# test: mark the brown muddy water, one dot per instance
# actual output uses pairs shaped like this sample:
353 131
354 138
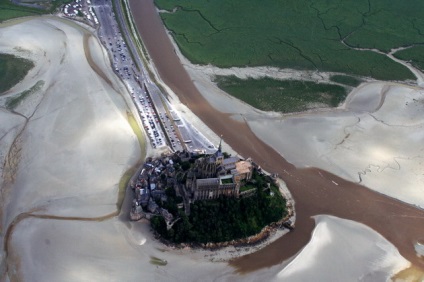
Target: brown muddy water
312 189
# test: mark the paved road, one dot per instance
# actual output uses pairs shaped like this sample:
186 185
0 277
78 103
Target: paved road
161 122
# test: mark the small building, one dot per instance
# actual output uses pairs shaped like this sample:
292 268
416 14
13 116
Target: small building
152 186
152 206
243 171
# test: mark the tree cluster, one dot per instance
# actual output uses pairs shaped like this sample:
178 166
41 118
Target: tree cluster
225 218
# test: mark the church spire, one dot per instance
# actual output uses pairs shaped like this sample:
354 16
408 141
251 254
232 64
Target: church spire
219 157
219 146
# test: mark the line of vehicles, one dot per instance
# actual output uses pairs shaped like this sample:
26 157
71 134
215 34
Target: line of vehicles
124 67
162 124
150 121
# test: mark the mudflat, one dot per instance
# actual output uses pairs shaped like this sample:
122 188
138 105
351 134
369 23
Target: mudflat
315 191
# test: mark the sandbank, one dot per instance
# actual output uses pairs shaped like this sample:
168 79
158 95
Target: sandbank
76 135
325 257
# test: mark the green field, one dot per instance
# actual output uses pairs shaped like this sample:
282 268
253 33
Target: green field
12 70
414 54
282 95
297 34
13 102
346 80
8 10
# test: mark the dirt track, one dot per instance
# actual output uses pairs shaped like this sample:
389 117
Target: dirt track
313 190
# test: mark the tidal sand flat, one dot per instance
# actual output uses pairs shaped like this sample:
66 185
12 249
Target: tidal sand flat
76 142
103 251
380 147
68 143
324 257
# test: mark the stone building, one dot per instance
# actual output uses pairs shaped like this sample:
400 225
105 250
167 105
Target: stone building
215 175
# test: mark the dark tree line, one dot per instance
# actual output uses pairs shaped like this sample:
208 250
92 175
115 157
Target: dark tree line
226 218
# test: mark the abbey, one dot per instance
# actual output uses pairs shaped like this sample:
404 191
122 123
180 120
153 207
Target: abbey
214 175
191 177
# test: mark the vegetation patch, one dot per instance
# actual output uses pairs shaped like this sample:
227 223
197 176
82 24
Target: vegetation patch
158 261
137 131
9 10
227 180
346 80
126 177
301 34
226 218
282 95
13 102
414 55
247 187
12 70
123 183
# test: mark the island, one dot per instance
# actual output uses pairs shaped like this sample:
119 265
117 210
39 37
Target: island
191 197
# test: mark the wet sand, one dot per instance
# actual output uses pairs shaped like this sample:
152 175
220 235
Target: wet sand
313 189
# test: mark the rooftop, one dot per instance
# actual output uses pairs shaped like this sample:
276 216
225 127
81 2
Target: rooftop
243 167
207 181
230 160
226 179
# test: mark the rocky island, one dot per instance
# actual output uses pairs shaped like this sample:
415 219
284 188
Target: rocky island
195 198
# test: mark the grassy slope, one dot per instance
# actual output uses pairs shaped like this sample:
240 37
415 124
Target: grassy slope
296 34
283 96
13 102
414 54
8 10
346 80
12 70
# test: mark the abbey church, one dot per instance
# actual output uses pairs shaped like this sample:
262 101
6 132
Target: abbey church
215 175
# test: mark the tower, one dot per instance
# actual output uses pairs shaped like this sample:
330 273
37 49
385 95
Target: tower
219 157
